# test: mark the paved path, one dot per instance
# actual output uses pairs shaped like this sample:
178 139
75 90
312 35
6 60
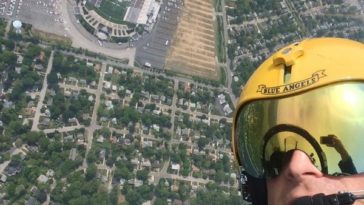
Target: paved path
42 94
63 129
160 175
93 125
3 166
227 67
174 102
7 28
163 172
182 79
78 88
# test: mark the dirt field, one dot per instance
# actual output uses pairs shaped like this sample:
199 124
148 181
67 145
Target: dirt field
50 37
192 51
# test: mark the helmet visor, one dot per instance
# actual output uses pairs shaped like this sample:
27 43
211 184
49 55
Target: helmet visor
326 123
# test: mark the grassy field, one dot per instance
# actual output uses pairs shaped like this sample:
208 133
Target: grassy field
222 76
113 10
218 6
51 38
220 40
2 26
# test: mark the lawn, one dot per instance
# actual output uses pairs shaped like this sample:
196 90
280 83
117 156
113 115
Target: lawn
113 10
220 39
218 6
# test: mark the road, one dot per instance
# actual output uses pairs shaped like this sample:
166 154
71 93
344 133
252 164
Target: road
301 26
75 87
159 175
163 172
80 41
227 67
178 78
174 101
63 129
42 94
93 125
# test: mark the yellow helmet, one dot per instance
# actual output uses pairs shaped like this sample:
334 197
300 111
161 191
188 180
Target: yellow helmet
304 94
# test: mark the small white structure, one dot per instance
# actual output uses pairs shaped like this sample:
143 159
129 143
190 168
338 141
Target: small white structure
3 178
90 64
175 166
156 127
17 26
50 172
43 179
107 84
221 98
102 36
227 110
110 70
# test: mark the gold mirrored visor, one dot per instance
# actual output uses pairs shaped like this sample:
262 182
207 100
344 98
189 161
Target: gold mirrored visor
326 123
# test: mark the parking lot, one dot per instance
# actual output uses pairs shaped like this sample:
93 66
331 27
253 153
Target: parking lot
10 7
42 14
152 49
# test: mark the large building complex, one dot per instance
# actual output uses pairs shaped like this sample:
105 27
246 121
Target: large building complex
142 12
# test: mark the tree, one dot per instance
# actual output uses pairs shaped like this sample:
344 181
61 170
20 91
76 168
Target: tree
17 91
68 166
91 172
99 198
41 196
19 190
175 158
91 156
133 197
126 115
160 201
226 163
9 58
184 191
18 143
33 137
55 146
185 171
142 174
219 177
82 200
202 142
162 191
114 194
122 172
43 143
145 191
15 160
90 187
52 80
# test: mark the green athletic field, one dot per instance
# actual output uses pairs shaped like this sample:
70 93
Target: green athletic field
113 10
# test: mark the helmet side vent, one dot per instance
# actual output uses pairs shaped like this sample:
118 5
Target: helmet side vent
287 73
288 57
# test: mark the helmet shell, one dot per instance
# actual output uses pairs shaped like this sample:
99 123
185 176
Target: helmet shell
302 66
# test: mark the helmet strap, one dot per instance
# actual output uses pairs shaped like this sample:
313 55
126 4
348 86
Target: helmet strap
253 189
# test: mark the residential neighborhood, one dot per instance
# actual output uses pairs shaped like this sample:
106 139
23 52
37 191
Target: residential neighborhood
256 31
129 131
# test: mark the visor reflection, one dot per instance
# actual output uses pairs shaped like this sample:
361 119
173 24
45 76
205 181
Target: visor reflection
335 110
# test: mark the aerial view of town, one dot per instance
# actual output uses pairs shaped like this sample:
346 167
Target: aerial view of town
131 101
